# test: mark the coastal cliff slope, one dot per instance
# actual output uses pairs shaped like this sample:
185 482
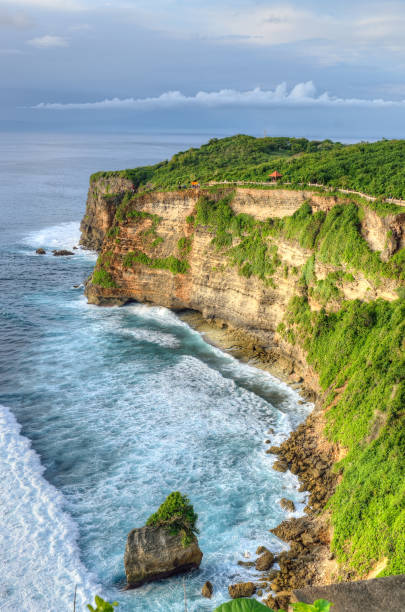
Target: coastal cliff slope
309 281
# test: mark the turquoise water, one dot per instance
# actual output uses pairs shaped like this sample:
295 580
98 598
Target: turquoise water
105 411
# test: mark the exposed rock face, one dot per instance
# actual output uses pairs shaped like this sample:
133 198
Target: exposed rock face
40 252
212 286
102 201
152 553
241 589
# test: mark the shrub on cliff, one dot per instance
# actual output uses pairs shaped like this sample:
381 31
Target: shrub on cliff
178 516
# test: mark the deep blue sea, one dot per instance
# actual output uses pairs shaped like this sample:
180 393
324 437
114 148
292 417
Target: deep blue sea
106 411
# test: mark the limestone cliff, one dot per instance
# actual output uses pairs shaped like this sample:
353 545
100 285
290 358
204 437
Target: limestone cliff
154 223
309 282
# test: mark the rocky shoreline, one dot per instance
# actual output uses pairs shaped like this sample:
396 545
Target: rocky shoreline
307 454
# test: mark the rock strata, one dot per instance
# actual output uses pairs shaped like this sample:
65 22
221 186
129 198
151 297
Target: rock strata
153 552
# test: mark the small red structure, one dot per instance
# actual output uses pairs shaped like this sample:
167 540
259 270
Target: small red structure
274 176
195 184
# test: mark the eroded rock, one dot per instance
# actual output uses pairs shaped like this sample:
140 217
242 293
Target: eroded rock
241 589
265 561
153 552
207 590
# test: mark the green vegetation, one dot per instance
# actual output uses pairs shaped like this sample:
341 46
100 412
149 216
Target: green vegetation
102 606
252 605
176 266
359 355
335 237
372 168
102 278
184 245
178 516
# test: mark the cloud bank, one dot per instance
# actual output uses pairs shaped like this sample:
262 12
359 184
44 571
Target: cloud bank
302 94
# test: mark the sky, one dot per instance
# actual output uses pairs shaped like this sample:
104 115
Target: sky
305 67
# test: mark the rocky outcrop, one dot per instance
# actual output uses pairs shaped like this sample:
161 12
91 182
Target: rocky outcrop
153 552
102 201
241 589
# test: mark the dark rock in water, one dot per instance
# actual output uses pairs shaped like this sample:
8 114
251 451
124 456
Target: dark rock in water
261 549
265 561
40 252
62 253
153 552
207 590
280 466
246 563
75 248
287 504
241 589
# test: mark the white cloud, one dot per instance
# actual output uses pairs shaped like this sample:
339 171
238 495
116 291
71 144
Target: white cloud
303 94
47 41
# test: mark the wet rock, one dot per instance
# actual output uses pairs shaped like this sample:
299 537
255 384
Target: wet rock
153 552
265 561
274 450
207 590
246 563
261 549
40 252
241 589
280 466
287 504
62 253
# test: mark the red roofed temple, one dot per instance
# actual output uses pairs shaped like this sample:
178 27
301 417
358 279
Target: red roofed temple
275 176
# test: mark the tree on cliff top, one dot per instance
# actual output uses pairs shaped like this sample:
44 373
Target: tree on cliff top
178 516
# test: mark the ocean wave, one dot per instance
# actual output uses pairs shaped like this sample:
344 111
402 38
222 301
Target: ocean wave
39 539
62 236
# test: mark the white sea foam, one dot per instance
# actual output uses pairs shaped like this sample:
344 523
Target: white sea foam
62 236
38 552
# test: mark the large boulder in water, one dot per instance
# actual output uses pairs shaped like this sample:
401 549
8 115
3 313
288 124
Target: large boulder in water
167 544
153 552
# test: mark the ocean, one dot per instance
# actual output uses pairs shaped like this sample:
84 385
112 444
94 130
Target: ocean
104 411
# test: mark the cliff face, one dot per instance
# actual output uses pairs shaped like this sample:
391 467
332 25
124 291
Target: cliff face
156 223
102 202
304 280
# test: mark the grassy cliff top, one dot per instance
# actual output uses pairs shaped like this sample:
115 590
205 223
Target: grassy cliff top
373 168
